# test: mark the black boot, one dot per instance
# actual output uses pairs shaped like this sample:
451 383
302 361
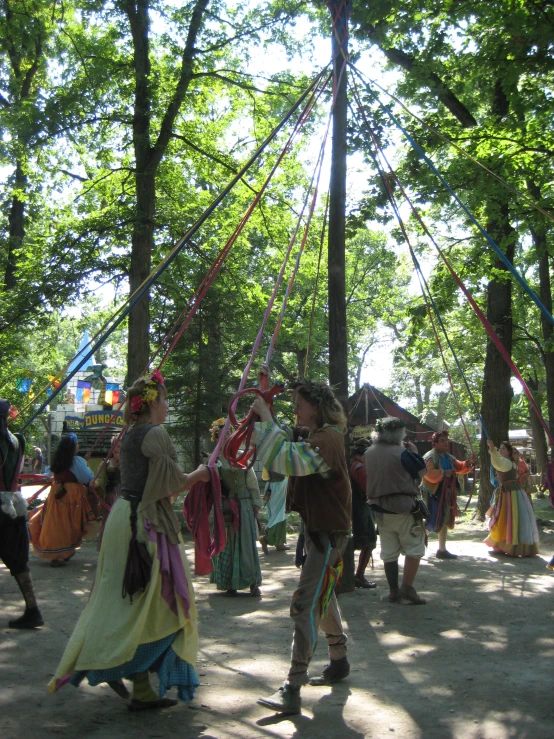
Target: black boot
335 671
30 619
391 572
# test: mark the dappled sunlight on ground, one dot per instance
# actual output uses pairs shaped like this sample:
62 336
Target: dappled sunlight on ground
475 663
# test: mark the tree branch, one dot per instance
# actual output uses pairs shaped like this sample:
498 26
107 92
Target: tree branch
73 175
408 62
166 129
242 85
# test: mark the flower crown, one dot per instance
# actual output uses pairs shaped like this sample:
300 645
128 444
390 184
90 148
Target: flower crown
389 424
215 427
318 392
149 393
436 436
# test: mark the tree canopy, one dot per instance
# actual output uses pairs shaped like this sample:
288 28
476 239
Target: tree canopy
122 121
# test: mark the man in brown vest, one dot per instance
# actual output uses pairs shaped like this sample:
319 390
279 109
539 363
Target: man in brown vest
392 467
319 489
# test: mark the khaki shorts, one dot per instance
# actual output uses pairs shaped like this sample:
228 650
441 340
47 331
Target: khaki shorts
396 539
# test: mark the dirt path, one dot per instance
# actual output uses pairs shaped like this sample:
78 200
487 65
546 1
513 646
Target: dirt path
476 662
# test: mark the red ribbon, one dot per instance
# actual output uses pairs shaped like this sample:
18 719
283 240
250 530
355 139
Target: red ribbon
242 437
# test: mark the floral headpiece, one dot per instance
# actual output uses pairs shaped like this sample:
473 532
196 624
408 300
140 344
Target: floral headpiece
150 392
390 423
318 392
215 428
360 445
436 436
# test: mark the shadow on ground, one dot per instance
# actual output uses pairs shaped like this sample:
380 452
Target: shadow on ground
475 662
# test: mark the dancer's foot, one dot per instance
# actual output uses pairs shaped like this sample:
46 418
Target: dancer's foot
30 620
282 548
135 705
407 592
445 554
263 542
361 582
286 700
255 591
230 593
57 563
119 687
336 670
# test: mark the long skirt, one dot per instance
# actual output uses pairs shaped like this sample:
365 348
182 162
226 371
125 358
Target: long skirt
238 566
110 499
115 638
443 506
277 535
276 531
57 527
513 527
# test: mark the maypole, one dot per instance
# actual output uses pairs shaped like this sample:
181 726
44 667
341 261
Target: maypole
336 247
338 347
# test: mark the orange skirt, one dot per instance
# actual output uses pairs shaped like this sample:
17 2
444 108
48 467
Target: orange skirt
57 527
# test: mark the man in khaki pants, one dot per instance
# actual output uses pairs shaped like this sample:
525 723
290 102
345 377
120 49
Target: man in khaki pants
392 467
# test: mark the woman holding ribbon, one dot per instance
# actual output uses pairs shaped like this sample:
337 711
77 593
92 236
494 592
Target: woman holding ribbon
141 615
57 528
440 484
237 567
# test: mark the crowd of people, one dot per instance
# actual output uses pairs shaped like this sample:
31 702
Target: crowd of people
141 616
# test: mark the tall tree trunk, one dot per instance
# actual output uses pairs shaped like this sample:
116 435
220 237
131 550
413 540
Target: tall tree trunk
338 341
441 410
338 344
148 155
16 226
539 437
419 396
301 360
141 265
497 390
539 235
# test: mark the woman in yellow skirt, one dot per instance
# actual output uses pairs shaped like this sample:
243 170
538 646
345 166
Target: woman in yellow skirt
513 527
141 615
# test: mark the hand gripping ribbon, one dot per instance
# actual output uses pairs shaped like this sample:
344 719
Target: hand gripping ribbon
245 458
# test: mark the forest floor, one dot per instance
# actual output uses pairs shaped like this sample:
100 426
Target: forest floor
476 662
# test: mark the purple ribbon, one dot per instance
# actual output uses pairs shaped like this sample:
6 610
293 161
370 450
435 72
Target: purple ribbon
174 579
